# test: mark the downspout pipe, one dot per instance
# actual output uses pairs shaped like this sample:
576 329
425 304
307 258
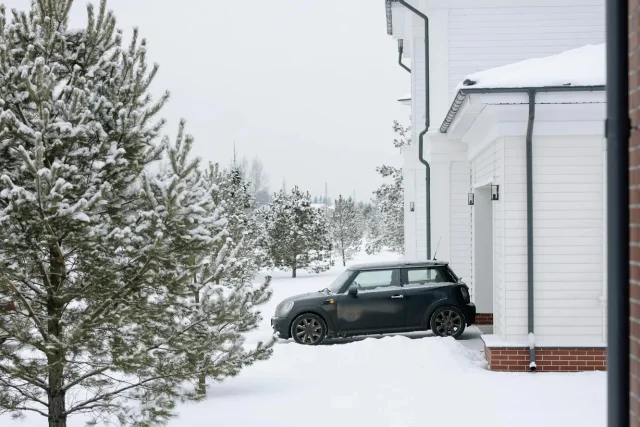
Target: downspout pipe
400 52
531 93
617 133
529 161
426 123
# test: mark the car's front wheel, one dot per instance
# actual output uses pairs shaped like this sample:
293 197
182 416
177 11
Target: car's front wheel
309 329
448 322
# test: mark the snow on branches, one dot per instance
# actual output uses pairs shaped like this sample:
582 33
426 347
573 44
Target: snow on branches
102 257
296 233
346 228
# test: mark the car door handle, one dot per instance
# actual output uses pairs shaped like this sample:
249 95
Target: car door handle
397 296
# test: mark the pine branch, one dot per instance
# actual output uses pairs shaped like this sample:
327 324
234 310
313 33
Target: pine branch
32 313
84 377
33 381
21 390
116 392
29 409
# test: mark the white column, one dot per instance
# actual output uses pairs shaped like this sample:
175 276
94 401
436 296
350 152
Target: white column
440 155
441 209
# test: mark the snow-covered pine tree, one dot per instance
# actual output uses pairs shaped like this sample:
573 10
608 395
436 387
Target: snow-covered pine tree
221 302
297 233
372 218
389 202
235 193
92 254
385 220
346 228
404 134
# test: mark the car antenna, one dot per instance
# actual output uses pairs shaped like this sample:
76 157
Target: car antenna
436 252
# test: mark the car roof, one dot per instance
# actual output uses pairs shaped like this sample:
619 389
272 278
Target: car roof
397 264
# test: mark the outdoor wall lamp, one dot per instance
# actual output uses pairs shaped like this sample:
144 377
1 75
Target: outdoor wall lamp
412 207
495 192
471 199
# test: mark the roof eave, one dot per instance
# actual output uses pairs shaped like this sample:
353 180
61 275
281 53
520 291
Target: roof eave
389 16
462 94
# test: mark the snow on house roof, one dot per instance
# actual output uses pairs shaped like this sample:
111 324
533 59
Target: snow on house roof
406 97
580 69
585 66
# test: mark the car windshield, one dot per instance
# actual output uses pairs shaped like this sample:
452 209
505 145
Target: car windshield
337 284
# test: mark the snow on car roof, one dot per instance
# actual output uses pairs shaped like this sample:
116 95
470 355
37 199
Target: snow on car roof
585 66
398 264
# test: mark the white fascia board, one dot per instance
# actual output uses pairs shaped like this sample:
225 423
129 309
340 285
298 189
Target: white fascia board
465 4
497 121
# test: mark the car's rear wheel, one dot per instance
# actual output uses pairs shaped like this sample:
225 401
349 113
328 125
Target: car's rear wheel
448 322
308 329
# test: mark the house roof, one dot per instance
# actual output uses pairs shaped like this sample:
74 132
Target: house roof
585 66
577 69
405 97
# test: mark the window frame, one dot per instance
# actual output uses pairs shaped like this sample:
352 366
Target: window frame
398 281
404 274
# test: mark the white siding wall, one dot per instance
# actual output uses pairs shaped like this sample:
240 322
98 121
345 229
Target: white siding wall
420 215
417 87
568 239
486 37
415 230
488 168
409 179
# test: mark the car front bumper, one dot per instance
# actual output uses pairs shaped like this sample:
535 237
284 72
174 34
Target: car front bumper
469 311
281 327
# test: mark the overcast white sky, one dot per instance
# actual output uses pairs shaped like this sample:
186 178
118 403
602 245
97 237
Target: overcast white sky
309 86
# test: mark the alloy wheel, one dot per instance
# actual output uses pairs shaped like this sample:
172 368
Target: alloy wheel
308 330
448 323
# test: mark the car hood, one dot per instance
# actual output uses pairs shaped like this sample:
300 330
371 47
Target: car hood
307 296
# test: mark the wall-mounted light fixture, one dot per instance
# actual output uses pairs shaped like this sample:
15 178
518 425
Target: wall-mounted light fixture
495 192
471 199
412 206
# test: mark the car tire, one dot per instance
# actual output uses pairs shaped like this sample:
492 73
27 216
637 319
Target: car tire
309 329
448 322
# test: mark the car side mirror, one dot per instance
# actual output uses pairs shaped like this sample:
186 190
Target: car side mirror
353 290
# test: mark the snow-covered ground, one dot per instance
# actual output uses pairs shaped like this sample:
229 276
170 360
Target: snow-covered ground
384 382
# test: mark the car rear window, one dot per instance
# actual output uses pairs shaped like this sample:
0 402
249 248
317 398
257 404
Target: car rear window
428 275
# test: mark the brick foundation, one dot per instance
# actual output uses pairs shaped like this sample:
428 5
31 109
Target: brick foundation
484 319
548 359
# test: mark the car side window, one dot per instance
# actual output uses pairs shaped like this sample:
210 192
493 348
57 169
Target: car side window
426 276
375 279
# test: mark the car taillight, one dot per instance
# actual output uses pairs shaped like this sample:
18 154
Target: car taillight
465 294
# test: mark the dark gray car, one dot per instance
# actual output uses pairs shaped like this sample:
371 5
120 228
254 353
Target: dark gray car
379 298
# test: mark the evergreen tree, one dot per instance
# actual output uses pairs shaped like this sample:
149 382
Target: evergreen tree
346 228
385 216
221 302
387 225
404 134
297 233
234 192
96 254
371 218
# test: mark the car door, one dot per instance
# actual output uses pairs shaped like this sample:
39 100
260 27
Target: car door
379 304
423 287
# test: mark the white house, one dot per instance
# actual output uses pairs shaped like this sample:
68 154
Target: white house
516 156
